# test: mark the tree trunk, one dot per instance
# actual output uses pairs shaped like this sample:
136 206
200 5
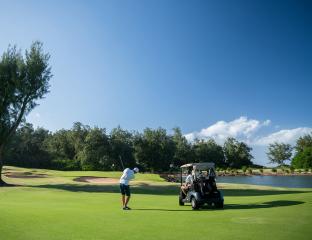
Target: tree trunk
2 183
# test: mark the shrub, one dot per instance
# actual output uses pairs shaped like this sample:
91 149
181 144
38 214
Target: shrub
65 164
261 170
244 169
274 170
299 171
249 170
292 169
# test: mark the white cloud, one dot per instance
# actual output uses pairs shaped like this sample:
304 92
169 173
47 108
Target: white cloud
250 132
285 136
241 128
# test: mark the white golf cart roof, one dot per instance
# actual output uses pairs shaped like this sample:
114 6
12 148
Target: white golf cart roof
199 166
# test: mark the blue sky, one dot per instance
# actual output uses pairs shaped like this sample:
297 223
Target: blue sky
236 68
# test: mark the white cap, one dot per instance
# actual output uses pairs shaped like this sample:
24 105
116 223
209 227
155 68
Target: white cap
136 169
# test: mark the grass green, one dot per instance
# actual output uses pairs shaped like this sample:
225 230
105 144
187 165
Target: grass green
52 206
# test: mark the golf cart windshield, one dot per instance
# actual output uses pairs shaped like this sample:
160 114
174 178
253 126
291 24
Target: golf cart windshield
198 170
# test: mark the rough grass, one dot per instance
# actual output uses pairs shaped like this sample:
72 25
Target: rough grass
50 205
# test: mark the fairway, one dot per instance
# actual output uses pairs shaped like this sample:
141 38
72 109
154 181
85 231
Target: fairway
50 205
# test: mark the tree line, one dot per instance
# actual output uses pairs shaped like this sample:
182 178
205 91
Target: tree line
85 148
300 155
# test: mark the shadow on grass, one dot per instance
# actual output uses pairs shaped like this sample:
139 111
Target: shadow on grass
271 204
159 189
162 209
280 203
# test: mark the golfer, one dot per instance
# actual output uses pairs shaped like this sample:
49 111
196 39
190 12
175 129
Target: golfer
127 175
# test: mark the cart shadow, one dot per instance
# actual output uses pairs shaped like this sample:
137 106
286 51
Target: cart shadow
271 204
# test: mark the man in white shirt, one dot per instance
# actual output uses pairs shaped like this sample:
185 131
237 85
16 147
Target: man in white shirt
126 177
188 182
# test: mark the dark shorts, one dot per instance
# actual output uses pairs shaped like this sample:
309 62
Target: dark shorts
125 189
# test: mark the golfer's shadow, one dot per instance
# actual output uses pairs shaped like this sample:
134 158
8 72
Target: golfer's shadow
160 209
281 203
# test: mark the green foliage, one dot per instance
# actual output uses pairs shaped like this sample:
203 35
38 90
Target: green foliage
23 81
303 156
303 159
86 148
65 164
121 149
244 169
183 149
261 170
279 152
303 142
208 151
154 149
95 152
60 145
27 147
274 170
237 154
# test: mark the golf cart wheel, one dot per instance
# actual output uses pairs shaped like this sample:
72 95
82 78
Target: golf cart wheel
194 204
181 196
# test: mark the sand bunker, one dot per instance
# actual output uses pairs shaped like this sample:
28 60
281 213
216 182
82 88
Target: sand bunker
99 180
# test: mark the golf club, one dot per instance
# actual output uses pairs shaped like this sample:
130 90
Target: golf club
123 167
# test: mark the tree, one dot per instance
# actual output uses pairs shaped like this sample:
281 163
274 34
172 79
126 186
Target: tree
154 149
237 154
78 135
60 145
121 142
26 147
303 142
279 152
95 153
23 81
209 151
303 155
303 159
183 149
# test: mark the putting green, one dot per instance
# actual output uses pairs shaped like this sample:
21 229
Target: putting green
50 205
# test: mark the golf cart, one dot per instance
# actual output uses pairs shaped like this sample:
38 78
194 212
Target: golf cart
203 188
